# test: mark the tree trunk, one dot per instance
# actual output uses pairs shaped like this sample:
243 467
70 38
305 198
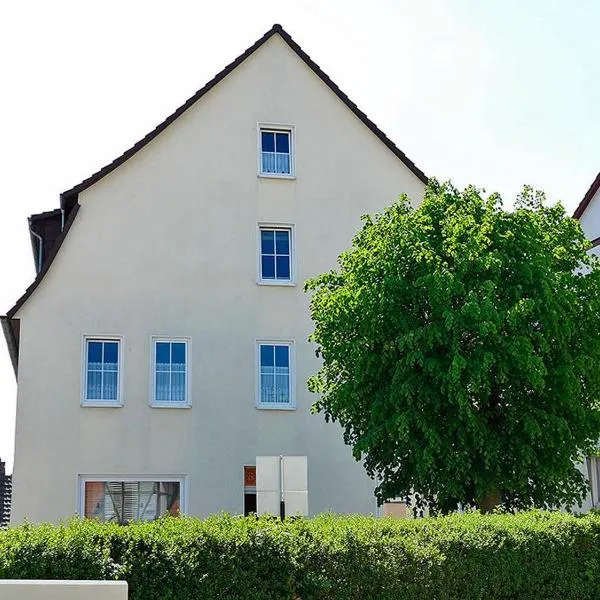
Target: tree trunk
489 501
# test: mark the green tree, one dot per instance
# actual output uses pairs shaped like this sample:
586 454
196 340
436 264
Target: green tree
461 351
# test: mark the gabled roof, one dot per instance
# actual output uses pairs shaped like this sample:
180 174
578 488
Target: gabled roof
587 198
68 199
86 183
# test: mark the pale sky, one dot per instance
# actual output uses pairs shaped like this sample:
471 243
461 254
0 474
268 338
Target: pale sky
498 94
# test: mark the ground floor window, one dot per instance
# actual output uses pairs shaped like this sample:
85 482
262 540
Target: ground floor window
124 501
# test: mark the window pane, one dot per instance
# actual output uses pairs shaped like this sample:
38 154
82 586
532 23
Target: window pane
178 355
94 385
111 354
282 356
94 499
162 386
268 267
267 241
282 242
94 353
178 387
267 388
283 267
266 355
282 142
282 163
268 141
146 504
282 384
168 498
268 162
163 351
110 384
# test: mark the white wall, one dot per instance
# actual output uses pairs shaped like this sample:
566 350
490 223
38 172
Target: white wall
22 589
167 245
590 221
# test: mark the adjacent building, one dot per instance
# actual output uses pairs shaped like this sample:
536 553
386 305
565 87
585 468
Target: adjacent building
5 495
588 213
161 352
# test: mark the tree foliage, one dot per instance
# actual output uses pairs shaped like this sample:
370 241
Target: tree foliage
461 350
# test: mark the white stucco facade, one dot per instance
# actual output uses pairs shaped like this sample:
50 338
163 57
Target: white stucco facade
167 245
590 224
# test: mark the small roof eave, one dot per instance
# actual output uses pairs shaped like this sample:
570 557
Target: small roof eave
589 195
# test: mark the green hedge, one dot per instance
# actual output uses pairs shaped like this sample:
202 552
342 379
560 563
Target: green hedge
464 557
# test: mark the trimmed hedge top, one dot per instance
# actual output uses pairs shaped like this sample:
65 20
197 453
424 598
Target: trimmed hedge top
536 555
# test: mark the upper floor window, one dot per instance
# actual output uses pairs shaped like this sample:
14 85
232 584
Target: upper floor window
275 387
276 156
275 254
102 372
171 373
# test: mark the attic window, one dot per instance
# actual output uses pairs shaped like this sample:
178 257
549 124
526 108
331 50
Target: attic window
276 155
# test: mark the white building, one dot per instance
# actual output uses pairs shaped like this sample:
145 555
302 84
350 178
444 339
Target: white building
161 352
588 214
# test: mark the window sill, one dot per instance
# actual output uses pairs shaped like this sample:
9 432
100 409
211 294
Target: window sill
92 404
167 405
276 176
276 282
286 407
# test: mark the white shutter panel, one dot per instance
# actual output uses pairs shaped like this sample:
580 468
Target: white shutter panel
295 485
267 485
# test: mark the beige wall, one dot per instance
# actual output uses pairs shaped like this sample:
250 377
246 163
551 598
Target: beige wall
167 245
20 589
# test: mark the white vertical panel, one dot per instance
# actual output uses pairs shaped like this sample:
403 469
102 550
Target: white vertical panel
295 485
296 504
267 485
295 473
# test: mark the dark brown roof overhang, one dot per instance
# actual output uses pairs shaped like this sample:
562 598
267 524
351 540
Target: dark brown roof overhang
587 198
11 329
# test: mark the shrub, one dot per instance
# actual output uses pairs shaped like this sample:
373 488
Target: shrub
461 557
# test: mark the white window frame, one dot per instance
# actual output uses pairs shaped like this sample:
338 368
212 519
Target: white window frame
188 371
180 477
291 405
277 128
118 403
281 227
